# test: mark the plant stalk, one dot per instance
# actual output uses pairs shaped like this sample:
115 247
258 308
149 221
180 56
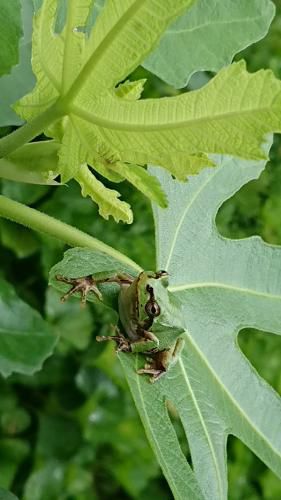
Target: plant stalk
38 221
30 130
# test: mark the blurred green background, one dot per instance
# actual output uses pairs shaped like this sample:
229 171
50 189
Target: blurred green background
71 432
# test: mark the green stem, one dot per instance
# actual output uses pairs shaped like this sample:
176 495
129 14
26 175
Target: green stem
27 132
43 223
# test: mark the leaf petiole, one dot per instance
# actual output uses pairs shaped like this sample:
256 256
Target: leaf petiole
38 221
30 130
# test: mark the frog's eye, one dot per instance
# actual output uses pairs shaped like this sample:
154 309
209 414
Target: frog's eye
152 309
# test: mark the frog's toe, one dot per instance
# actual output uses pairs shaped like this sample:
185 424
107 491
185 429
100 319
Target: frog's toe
147 370
83 285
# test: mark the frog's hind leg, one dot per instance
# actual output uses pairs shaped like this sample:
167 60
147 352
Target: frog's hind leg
160 362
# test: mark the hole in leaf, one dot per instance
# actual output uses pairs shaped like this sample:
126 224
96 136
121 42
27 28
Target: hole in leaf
179 430
256 208
263 350
248 477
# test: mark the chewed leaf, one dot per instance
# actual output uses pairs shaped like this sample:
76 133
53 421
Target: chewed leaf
146 183
106 199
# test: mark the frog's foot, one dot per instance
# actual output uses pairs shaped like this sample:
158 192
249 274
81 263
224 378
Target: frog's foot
160 362
152 368
122 344
82 285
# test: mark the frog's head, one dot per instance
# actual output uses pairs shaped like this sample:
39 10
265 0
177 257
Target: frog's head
157 305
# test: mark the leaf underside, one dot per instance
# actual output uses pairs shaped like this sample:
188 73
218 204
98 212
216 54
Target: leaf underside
109 128
224 286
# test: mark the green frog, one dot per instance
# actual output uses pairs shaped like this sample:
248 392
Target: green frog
149 316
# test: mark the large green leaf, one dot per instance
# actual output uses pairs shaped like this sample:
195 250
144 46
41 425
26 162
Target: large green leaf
107 126
207 37
26 340
224 285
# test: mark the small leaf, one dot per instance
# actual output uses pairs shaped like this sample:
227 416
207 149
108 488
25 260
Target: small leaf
142 180
228 26
107 199
131 90
26 340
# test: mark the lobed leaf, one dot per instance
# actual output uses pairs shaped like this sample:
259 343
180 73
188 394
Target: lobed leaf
231 114
224 285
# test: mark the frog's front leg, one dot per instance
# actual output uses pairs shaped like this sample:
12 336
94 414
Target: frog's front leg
123 344
87 284
161 361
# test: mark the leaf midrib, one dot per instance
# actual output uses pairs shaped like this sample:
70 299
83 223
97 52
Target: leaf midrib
102 47
229 395
147 424
201 419
226 286
212 24
158 127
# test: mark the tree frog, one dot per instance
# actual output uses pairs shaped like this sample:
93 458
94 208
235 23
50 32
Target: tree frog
149 316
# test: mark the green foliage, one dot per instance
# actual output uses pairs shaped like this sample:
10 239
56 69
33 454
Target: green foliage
110 128
10 33
6 495
21 79
71 431
26 339
228 26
